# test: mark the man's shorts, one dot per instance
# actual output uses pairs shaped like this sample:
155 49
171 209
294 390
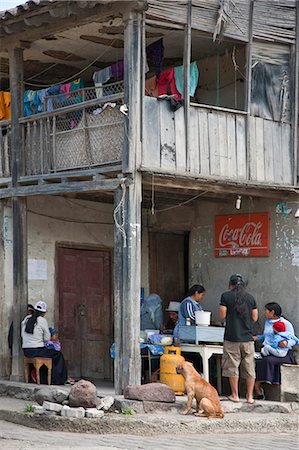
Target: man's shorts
238 355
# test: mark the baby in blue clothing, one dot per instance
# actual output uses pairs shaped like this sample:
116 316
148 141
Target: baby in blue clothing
279 334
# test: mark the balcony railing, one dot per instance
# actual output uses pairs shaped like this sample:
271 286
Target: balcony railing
80 136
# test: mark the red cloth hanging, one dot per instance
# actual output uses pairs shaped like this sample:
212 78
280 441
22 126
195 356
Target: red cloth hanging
167 79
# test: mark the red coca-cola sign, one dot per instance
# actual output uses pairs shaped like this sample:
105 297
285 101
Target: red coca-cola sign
242 235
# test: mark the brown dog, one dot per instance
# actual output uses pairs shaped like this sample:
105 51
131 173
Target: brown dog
206 396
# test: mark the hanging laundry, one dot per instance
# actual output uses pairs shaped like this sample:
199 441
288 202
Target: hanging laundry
5 108
29 106
117 70
179 78
53 90
66 89
151 87
166 83
99 78
155 56
41 94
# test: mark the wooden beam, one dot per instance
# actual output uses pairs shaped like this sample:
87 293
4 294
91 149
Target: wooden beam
128 366
19 219
118 297
296 103
133 72
20 288
16 89
6 315
248 86
131 284
60 188
186 76
196 184
127 254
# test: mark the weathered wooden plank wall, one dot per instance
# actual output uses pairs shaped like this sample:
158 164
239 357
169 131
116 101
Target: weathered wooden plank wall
270 151
217 144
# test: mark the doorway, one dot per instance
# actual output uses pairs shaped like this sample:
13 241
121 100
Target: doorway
85 311
169 265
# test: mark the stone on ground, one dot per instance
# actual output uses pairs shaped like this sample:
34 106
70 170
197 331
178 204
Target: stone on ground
83 393
93 413
79 413
105 403
154 392
44 394
60 395
50 406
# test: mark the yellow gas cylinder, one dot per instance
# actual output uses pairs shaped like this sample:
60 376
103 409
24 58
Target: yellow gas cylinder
168 364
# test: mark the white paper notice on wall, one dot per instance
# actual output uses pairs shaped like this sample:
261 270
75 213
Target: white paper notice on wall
37 269
295 255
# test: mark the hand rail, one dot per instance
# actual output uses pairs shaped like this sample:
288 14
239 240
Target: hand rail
72 108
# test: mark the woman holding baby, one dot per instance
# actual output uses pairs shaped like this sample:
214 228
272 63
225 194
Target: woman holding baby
277 340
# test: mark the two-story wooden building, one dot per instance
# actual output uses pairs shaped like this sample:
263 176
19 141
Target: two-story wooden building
144 146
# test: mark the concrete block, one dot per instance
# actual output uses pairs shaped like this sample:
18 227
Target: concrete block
78 413
49 406
105 403
289 387
93 413
37 409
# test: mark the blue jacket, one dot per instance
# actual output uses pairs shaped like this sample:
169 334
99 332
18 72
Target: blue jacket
268 336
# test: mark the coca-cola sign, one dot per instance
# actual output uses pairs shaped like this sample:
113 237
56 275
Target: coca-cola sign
242 235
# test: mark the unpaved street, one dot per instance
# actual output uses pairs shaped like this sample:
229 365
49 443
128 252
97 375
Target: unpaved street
17 437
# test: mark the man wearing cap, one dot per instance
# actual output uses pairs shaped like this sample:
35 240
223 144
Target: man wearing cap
173 314
238 308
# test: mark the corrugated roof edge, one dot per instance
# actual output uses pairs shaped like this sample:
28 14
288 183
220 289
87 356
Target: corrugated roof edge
18 10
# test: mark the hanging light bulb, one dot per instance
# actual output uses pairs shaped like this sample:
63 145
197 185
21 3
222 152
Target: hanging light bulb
238 202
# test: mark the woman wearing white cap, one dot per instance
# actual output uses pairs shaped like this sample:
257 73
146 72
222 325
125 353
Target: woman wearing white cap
35 332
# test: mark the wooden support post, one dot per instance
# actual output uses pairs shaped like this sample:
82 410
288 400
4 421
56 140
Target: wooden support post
133 74
248 86
128 249
118 296
186 75
127 269
296 103
20 292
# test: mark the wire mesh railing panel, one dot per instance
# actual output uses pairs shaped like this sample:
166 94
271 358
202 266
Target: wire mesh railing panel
80 138
82 95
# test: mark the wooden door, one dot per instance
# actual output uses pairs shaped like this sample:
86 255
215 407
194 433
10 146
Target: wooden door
168 265
85 311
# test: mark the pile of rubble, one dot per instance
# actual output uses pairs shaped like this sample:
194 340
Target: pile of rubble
81 401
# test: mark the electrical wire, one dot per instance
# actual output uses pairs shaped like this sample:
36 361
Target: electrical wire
182 203
66 219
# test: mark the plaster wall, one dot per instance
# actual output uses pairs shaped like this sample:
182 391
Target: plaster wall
53 220
274 278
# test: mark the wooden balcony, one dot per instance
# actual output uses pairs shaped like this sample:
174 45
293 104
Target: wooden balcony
218 144
79 138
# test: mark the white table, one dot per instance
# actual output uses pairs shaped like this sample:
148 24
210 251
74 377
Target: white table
206 351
